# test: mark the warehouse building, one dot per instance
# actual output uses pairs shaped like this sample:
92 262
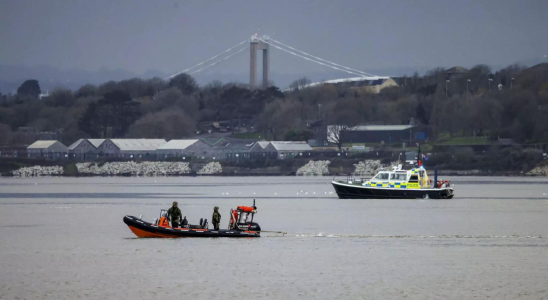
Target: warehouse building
47 149
130 148
79 148
185 148
84 149
230 148
288 149
259 146
258 150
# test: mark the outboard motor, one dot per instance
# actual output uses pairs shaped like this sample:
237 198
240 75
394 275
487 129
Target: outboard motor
241 218
251 226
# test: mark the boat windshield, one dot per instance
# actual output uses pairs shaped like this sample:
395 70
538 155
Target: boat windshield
414 178
398 176
382 176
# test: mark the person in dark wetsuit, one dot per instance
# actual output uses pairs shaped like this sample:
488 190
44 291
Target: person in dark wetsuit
174 215
216 218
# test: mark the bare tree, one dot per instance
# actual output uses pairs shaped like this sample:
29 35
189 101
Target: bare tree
342 117
299 84
335 134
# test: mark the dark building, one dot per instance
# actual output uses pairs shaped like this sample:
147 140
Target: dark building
320 133
79 148
379 134
455 72
230 148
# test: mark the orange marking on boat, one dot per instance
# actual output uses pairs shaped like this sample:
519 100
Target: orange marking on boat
141 233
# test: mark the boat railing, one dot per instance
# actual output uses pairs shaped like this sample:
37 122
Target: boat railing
350 179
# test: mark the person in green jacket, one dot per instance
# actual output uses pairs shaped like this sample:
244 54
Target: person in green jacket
174 215
216 218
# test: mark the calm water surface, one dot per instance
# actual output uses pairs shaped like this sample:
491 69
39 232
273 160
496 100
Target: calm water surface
63 238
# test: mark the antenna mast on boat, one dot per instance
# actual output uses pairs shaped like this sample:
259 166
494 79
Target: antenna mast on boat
418 155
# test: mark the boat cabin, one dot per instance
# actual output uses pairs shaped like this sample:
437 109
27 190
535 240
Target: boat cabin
411 179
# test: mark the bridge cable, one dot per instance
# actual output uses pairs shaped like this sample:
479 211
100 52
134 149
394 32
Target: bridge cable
218 66
216 62
312 60
186 70
318 58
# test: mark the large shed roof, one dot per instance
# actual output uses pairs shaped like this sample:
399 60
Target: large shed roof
138 144
177 144
263 144
380 127
49 145
214 141
96 142
237 145
75 144
291 146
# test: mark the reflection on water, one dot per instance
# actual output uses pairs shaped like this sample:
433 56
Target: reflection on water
63 238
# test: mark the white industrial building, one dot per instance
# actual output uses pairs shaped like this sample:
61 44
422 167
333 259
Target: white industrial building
288 149
47 149
185 148
129 148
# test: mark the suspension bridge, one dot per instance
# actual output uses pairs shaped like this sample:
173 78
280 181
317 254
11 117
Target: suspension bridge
265 44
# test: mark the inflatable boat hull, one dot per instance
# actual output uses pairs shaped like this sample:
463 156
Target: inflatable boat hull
148 230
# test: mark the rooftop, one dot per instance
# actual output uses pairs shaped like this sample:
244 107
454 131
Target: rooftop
42 144
177 144
75 144
213 141
263 144
380 127
228 141
457 70
291 146
96 142
138 144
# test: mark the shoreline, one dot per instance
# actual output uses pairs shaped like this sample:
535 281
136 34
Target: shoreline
445 173
357 168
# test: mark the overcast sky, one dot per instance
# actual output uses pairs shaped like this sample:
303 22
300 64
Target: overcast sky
169 36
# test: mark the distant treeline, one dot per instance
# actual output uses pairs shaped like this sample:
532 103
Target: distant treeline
511 103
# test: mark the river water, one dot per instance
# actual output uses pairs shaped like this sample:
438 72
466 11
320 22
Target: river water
63 238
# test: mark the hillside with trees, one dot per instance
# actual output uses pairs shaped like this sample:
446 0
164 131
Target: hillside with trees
510 103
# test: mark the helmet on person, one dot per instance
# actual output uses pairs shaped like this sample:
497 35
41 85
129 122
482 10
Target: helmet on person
216 208
175 203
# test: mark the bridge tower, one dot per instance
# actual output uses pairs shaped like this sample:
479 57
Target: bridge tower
255 44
